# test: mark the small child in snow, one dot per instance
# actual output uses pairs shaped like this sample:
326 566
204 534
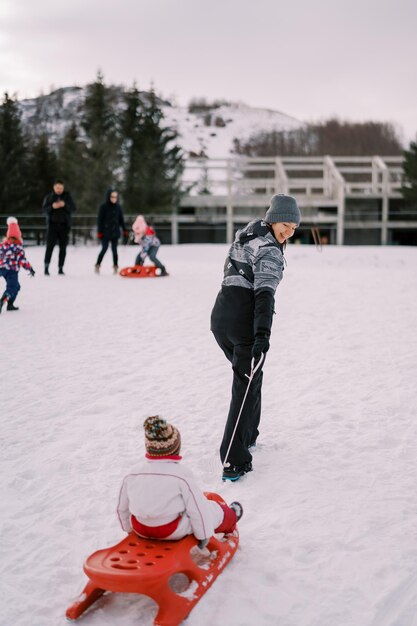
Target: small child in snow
12 258
160 498
145 236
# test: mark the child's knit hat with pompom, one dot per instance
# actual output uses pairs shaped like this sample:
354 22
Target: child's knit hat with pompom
161 438
13 229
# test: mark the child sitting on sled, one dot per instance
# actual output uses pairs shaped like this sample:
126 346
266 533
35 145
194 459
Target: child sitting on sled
145 236
12 258
160 498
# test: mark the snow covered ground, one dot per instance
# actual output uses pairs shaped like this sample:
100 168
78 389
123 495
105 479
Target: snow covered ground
328 537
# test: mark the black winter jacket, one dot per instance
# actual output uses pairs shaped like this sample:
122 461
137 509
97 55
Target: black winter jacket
244 307
110 218
58 216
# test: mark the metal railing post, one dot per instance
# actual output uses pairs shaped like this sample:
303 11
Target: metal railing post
174 229
381 167
340 214
229 206
335 179
281 178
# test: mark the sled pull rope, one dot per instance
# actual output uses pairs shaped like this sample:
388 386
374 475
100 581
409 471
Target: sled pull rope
254 369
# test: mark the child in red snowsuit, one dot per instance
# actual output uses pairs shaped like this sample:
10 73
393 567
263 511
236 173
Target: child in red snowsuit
12 258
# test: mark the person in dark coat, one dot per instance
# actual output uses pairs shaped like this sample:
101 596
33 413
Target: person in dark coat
241 322
58 207
109 222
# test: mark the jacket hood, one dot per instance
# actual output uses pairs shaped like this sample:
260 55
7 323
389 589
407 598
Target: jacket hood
108 194
256 228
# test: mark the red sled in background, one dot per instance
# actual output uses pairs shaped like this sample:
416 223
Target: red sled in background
140 271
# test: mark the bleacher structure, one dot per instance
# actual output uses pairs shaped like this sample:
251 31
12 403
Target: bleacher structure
351 200
343 200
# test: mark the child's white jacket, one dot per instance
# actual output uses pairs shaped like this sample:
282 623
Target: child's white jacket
158 491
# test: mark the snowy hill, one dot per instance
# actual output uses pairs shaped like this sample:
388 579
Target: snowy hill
212 133
209 132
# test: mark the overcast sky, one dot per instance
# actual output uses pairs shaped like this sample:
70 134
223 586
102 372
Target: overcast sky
354 59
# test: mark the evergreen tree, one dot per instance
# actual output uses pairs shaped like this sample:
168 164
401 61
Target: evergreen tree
132 148
13 168
72 165
409 190
99 122
42 170
154 162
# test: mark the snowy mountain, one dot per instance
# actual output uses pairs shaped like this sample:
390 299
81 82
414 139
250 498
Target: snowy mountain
211 133
205 131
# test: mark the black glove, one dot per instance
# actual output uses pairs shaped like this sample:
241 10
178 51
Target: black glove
260 346
32 272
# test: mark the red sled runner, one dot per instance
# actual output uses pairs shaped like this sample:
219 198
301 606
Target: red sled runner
147 566
140 271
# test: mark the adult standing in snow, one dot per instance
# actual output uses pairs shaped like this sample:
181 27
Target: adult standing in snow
58 207
109 222
241 321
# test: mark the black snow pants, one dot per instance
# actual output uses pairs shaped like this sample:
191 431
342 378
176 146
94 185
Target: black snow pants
235 337
57 234
240 356
104 245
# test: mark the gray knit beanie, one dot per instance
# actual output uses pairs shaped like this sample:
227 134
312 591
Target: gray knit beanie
283 209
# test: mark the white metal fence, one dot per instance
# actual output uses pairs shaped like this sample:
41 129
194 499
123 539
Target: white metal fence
339 194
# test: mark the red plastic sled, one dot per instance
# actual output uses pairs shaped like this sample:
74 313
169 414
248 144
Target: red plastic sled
140 271
146 566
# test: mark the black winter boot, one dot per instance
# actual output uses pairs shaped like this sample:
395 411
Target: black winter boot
234 472
3 300
11 306
61 271
46 272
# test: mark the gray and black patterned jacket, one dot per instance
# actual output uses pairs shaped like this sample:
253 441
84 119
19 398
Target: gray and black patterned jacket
253 269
